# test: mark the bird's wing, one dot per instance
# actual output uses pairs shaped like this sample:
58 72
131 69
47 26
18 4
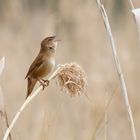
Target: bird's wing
35 65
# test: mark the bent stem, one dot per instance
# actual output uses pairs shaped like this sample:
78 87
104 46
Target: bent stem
24 105
118 67
7 124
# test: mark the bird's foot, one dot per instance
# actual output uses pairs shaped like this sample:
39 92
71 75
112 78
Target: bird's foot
44 83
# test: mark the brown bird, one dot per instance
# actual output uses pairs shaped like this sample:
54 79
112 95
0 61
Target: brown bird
42 65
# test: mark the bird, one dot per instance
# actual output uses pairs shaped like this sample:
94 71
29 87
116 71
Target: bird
42 65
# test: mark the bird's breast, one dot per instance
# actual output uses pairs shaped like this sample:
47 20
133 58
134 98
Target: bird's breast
46 67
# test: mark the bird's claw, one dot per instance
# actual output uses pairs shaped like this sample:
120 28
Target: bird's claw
44 84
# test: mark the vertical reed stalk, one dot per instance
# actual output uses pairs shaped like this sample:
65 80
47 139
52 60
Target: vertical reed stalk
131 4
3 112
106 119
118 67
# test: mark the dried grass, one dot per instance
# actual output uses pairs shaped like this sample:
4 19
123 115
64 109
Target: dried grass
71 79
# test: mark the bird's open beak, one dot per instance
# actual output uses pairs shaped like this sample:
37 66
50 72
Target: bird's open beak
57 40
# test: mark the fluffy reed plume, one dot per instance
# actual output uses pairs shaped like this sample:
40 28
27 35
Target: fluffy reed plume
72 79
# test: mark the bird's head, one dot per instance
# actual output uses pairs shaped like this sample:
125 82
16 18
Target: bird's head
49 44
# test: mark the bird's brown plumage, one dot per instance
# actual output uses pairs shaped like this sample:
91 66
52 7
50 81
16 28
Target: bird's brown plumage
43 63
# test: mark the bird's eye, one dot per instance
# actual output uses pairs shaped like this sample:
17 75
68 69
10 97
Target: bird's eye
49 39
50 48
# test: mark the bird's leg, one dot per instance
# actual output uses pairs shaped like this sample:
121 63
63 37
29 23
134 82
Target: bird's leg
44 83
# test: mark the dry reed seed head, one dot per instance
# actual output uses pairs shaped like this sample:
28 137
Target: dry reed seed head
72 79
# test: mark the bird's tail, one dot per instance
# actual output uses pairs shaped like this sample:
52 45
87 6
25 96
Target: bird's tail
30 85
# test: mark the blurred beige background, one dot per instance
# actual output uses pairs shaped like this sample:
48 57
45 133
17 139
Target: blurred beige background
53 115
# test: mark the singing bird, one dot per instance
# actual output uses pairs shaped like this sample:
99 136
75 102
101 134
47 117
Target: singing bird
42 65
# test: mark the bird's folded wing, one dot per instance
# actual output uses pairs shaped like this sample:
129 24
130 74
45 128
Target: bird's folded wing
35 65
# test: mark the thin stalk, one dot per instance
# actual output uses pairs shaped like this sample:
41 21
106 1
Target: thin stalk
7 124
3 112
131 4
24 105
106 119
108 102
118 67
